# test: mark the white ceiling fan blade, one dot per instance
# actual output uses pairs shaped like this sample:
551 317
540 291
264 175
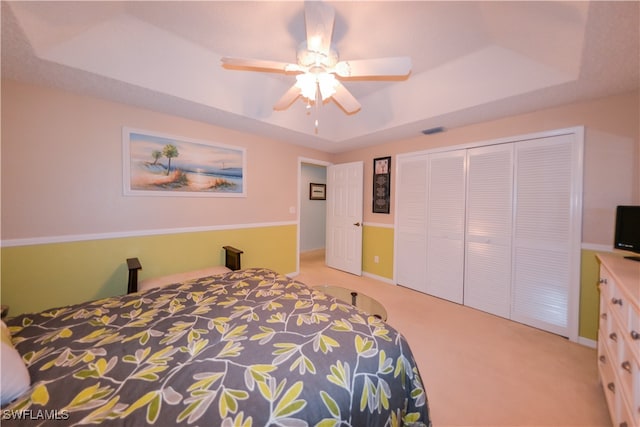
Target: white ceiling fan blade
260 64
345 100
392 66
287 99
319 18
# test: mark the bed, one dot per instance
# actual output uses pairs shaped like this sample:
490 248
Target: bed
248 347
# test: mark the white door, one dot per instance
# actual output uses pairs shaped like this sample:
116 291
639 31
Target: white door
487 282
344 217
445 225
546 245
411 222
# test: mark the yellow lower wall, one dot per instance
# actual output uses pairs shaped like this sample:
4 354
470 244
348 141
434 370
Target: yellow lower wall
589 295
37 277
379 241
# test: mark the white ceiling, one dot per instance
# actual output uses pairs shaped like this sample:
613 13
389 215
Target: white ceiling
472 61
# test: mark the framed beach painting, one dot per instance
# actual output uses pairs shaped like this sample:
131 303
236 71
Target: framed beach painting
164 165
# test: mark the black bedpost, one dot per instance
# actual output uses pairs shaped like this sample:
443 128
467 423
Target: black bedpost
232 258
133 264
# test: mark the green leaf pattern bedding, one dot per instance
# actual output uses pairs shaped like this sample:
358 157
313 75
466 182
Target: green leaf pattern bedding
247 348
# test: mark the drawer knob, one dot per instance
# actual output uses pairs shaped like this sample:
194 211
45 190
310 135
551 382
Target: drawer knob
613 336
603 359
603 316
626 365
635 335
612 387
615 301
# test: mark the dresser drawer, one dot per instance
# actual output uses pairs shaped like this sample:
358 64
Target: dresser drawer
604 305
614 336
603 286
606 372
624 416
618 306
634 331
628 372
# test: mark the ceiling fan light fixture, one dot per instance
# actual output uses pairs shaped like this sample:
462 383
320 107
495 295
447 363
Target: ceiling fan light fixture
307 84
310 83
327 83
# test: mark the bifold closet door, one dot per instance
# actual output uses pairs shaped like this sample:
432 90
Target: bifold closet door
487 282
445 225
411 238
546 255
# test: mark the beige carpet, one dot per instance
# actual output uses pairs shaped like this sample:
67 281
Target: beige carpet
479 369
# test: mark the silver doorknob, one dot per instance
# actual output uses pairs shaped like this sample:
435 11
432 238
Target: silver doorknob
357 224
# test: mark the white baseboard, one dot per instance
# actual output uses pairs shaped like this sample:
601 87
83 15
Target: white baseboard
364 273
587 342
380 278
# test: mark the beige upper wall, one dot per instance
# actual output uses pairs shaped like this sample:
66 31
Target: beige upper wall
62 169
62 165
611 154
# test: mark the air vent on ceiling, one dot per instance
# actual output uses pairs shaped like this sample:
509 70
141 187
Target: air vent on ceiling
431 131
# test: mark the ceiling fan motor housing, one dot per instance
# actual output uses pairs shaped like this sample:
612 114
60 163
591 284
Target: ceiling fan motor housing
308 58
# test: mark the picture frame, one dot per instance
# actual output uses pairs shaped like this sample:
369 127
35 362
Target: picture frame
156 164
317 191
381 185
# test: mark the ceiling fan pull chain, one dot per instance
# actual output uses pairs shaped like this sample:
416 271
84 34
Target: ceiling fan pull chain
318 101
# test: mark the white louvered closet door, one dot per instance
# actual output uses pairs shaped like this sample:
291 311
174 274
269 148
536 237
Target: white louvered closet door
548 180
411 239
487 283
445 225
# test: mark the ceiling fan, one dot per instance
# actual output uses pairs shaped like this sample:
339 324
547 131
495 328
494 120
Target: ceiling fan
318 69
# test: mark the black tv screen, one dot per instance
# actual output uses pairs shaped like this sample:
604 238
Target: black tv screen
627 232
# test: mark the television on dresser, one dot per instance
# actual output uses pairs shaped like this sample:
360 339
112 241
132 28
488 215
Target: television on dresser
627 231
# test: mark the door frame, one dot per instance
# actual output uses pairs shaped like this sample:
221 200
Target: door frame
309 161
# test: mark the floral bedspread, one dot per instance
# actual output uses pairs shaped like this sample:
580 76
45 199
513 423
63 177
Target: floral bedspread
247 348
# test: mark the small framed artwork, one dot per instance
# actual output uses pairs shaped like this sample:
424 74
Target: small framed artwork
381 185
317 191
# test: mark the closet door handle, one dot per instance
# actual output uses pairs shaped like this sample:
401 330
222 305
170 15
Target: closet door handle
603 281
357 224
612 387
613 336
635 335
626 365
615 301
603 359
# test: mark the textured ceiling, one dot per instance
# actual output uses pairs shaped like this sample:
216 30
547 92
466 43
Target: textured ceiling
472 61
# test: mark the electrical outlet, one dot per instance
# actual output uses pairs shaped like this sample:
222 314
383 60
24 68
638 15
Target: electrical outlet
376 259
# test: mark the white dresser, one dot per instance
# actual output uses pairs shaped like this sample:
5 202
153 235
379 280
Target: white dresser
619 338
